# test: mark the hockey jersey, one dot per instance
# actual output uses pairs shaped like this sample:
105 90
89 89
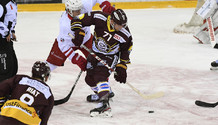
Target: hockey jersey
64 40
28 97
107 41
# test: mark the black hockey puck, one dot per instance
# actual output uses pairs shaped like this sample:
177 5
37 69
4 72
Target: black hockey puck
150 111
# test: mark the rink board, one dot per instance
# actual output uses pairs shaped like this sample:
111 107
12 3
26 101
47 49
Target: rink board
123 5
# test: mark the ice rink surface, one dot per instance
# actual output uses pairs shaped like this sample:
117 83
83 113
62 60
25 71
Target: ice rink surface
161 61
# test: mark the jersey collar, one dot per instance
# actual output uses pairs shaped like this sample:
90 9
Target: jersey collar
70 17
110 29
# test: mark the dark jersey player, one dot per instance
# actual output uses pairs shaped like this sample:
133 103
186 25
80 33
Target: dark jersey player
30 99
112 43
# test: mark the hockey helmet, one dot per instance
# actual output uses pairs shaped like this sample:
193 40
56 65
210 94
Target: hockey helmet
73 5
40 70
119 17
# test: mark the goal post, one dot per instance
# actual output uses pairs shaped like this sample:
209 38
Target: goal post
195 22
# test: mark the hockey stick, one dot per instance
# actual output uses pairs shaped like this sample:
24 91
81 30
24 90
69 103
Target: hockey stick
146 97
206 104
61 101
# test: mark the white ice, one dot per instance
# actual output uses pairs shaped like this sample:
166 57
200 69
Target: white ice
161 61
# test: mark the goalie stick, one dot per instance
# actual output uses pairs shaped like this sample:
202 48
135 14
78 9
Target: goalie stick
61 101
146 97
206 104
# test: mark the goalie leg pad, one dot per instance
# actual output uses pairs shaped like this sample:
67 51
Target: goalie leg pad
202 36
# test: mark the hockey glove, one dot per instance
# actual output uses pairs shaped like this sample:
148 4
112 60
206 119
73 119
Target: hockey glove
2 101
79 35
76 24
80 61
106 7
121 74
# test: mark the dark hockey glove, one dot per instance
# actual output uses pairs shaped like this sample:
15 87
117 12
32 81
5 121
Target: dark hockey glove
120 74
79 35
76 24
2 101
106 7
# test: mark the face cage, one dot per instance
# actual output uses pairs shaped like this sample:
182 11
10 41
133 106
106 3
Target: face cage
71 12
123 25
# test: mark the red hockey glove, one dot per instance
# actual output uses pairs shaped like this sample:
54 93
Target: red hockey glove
79 35
106 7
80 61
121 74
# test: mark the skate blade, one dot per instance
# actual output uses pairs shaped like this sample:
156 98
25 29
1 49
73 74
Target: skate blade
106 114
213 68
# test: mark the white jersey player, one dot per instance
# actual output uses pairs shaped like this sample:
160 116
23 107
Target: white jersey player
63 46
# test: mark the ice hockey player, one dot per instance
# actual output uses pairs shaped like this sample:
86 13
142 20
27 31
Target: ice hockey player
209 9
64 47
8 20
112 43
30 100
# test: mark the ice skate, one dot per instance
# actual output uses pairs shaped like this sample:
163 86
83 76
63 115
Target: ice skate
214 65
103 110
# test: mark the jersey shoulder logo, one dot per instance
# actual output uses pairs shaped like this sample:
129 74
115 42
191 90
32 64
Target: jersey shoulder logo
11 7
117 37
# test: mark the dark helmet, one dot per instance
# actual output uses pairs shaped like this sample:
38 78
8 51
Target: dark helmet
119 17
40 70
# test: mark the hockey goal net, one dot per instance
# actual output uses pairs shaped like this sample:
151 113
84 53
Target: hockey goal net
195 22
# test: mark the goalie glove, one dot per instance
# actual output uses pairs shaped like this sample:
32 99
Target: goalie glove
106 7
80 61
120 74
79 36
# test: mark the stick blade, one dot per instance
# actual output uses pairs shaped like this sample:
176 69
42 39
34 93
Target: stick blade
153 96
205 104
64 100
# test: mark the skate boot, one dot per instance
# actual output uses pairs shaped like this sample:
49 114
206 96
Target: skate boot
214 65
103 110
95 98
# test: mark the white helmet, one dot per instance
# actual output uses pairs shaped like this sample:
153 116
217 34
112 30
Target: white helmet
72 5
